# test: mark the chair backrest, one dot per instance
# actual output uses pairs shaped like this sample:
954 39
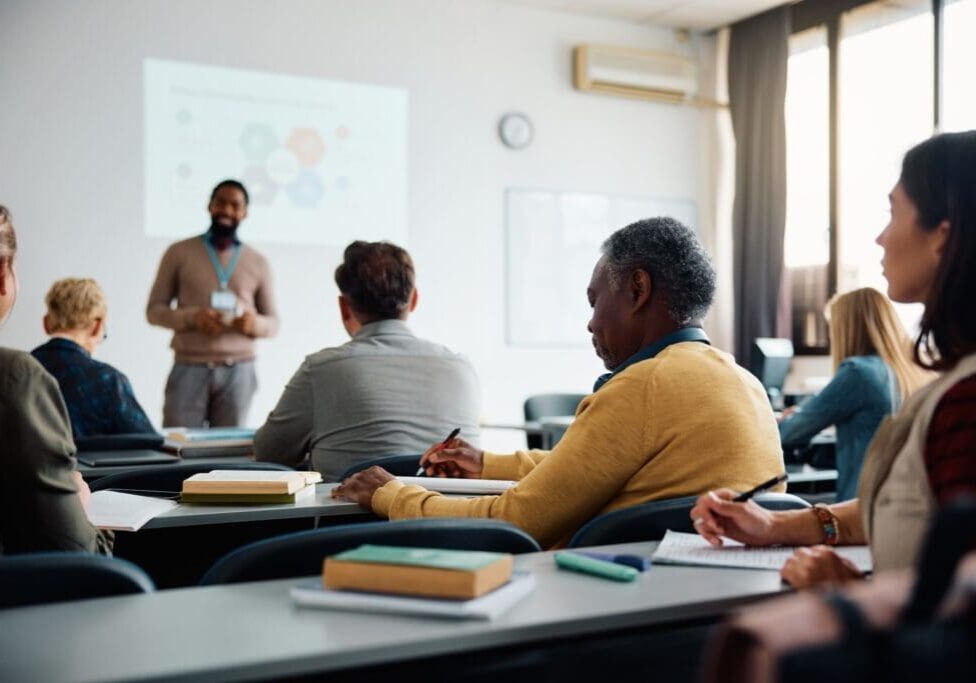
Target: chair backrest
302 553
170 477
397 465
550 405
38 578
649 521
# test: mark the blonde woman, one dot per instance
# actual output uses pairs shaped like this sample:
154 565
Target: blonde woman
99 398
873 374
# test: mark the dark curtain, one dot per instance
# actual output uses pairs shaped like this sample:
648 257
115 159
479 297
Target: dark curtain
758 54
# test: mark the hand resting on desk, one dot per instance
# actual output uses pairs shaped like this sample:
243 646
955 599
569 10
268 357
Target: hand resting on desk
360 487
818 566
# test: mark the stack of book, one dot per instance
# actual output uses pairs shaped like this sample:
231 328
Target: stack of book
209 443
445 583
249 486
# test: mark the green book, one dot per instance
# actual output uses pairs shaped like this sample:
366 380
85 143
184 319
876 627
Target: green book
428 572
460 560
242 498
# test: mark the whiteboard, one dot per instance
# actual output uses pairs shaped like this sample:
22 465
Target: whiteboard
552 243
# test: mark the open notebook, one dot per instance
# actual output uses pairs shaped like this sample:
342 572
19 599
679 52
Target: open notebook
474 487
692 549
124 511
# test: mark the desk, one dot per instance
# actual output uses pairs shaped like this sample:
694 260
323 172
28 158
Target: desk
319 506
252 631
199 535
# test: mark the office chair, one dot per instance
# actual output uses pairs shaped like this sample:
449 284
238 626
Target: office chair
541 406
38 578
649 521
170 478
302 553
397 465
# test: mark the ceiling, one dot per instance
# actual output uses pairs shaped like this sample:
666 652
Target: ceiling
699 15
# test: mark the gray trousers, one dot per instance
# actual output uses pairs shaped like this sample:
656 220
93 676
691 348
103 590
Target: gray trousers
209 394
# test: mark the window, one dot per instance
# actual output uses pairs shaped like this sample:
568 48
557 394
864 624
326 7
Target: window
886 62
959 96
807 238
861 91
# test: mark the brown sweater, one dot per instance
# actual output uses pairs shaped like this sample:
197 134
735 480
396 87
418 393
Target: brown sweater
186 275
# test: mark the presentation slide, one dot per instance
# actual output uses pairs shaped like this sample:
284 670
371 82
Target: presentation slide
325 162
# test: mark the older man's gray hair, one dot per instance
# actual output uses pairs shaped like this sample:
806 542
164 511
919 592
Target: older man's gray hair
675 259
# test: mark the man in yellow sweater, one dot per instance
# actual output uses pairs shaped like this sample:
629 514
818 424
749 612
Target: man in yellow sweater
673 417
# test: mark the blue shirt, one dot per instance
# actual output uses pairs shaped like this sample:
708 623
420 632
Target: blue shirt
857 399
99 397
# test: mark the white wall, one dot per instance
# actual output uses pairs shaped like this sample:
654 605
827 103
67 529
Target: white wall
71 160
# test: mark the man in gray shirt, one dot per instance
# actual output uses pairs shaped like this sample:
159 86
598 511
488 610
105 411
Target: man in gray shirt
385 392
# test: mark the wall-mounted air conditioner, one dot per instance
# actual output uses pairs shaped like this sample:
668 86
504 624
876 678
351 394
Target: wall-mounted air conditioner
636 73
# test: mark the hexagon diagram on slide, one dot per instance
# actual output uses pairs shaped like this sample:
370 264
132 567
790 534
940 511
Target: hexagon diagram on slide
258 141
307 190
273 167
307 146
260 187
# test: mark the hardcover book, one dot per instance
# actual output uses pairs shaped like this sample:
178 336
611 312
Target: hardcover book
428 572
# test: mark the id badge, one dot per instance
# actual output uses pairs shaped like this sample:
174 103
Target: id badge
223 301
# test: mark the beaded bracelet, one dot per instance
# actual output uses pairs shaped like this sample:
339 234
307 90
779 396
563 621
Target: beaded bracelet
828 521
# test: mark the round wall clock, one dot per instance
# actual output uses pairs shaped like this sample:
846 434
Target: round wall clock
515 130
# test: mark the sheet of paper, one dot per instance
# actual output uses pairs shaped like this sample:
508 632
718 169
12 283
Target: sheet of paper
488 606
449 485
680 548
124 511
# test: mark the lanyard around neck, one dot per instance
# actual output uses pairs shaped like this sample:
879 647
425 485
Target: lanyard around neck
223 274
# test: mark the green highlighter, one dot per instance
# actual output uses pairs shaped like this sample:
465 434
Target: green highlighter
589 565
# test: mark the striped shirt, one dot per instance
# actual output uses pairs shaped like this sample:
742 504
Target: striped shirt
950 446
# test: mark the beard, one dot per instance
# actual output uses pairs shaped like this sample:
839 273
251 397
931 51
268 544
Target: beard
223 231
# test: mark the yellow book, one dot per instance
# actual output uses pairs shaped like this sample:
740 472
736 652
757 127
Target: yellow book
249 481
428 572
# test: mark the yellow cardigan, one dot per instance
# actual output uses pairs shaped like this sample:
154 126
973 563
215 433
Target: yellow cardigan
679 424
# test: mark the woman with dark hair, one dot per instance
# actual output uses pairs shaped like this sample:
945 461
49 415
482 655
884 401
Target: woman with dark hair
42 496
926 455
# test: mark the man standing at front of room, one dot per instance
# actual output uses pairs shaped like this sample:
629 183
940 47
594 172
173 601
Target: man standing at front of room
223 302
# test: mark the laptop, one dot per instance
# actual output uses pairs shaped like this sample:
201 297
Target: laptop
137 456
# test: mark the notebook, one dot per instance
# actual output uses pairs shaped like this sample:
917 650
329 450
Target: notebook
692 549
489 606
124 511
471 486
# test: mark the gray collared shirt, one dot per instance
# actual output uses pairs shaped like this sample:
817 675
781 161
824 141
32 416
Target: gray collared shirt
384 392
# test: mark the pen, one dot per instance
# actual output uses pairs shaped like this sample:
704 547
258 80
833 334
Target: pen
442 445
743 497
636 561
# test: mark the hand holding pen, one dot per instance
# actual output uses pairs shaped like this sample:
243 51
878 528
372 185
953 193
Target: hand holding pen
421 472
734 515
452 457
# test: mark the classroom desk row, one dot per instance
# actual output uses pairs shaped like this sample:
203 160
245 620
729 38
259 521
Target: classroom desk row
571 622
317 509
